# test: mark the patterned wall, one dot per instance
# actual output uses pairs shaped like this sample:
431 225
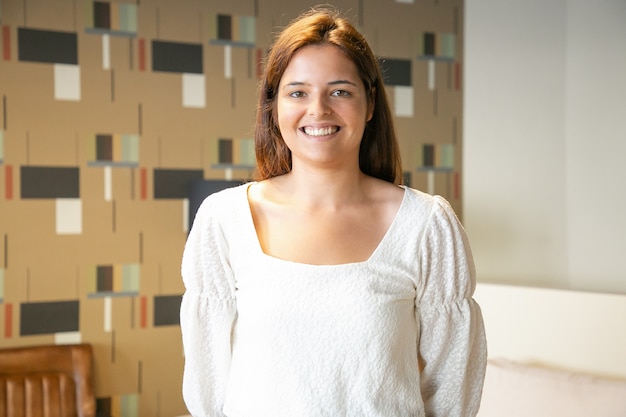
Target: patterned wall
111 110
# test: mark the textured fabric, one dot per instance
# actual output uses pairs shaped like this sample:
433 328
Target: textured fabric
267 337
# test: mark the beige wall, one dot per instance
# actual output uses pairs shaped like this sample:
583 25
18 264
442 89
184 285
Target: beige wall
51 248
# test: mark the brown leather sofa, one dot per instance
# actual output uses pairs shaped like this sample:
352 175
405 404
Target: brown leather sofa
52 380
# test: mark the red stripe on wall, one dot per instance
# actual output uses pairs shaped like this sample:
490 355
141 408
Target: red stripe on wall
8 321
8 182
6 43
142 54
259 63
457 75
143 183
143 312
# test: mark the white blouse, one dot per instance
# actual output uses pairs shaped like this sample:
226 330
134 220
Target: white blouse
265 337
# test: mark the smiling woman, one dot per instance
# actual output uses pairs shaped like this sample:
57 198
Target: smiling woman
322 107
379 154
325 288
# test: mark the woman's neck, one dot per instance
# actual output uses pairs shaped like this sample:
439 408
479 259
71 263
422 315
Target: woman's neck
321 188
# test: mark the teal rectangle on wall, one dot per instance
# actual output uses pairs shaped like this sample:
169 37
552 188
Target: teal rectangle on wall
130 148
129 405
130 278
247 29
128 17
446 156
246 149
448 45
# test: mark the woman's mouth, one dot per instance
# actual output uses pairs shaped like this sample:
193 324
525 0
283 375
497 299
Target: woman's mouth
320 131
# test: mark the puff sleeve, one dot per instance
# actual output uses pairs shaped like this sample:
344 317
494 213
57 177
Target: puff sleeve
452 344
208 311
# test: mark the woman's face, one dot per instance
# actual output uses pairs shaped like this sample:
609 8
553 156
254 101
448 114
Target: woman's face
322 107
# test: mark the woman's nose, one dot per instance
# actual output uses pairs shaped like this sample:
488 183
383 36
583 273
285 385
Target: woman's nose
319 106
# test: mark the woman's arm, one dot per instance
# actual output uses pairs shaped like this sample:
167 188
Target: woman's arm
208 311
452 344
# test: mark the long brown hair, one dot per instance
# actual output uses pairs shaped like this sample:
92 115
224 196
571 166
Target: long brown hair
379 155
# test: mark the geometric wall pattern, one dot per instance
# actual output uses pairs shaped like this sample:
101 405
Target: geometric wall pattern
117 116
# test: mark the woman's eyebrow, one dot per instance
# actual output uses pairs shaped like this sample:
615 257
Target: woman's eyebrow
336 82
294 84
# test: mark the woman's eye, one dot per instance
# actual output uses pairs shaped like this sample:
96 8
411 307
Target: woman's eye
296 94
340 93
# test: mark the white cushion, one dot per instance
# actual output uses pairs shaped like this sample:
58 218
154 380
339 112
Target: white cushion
520 390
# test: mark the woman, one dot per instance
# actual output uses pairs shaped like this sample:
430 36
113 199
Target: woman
324 288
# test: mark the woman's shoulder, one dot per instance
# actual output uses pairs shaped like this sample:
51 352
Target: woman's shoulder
225 200
228 193
429 207
419 200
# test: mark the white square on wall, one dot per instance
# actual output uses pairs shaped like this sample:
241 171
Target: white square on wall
193 90
66 82
228 62
69 216
67 338
106 52
403 100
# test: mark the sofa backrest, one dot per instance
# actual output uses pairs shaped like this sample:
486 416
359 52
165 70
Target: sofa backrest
515 389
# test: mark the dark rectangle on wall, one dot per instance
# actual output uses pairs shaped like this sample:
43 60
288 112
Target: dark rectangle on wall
224 27
225 151
174 183
105 278
167 310
406 178
49 182
396 71
177 57
201 189
429 156
104 147
103 407
101 15
47 46
429 44
49 317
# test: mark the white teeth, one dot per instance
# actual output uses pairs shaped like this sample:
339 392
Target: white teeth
322 131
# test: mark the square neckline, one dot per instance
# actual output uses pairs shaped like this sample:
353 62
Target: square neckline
254 237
